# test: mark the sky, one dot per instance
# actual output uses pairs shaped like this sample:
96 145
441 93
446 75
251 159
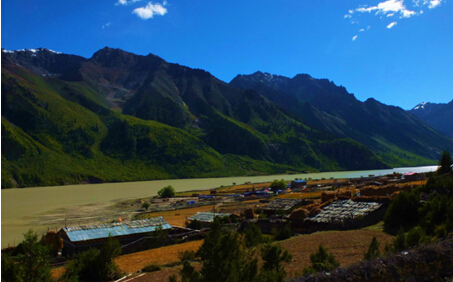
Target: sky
399 52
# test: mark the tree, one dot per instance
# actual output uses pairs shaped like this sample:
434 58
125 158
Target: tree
225 257
403 210
278 185
194 224
373 250
34 261
283 233
94 265
166 192
10 269
253 236
321 261
111 250
273 255
146 205
445 163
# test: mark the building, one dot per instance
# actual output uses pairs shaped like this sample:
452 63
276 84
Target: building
81 238
298 184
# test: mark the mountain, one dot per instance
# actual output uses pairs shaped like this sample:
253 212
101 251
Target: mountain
118 116
396 136
439 116
42 61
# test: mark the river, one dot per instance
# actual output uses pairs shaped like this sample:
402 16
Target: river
23 208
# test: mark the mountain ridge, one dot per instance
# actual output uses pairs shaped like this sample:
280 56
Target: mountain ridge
152 119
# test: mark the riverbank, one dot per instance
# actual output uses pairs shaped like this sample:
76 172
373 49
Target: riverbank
46 208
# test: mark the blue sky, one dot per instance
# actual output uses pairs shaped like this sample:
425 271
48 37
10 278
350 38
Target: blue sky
399 52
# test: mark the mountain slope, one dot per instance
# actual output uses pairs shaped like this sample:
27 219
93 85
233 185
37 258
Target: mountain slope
396 136
48 140
118 116
439 116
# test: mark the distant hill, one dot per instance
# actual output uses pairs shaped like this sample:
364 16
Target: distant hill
118 116
395 135
439 116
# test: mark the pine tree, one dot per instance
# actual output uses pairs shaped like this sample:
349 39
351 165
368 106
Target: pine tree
373 250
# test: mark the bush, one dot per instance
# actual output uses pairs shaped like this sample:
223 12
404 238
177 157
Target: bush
152 268
186 255
167 192
146 205
284 233
94 265
194 224
321 261
253 236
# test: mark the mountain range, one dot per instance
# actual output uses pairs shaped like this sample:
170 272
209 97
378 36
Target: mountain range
118 116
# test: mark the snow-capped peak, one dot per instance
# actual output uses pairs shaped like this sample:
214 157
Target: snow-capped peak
420 106
34 51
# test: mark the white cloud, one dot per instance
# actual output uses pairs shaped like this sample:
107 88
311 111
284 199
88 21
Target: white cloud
434 3
362 30
392 25
150 10
389 7
106 25
126 2
354 38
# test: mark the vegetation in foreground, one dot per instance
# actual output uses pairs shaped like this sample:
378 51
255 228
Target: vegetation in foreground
230 256
425 213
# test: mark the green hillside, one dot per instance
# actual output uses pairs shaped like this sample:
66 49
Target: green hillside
124 117
50 140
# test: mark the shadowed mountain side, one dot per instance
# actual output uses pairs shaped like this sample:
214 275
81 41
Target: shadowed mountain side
439 116
397 136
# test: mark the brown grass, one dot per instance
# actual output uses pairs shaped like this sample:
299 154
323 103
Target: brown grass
131 263
347 247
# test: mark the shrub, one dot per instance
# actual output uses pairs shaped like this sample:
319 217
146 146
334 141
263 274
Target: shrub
194 224
152 267
146 205
186 255
166 192
253 236
321 261
94 265
284 233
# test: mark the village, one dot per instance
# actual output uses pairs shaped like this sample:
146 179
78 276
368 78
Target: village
306 206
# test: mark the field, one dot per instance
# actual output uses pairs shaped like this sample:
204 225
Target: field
348 247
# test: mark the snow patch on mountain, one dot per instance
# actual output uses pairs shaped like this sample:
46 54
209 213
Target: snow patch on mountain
420 106
34 51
